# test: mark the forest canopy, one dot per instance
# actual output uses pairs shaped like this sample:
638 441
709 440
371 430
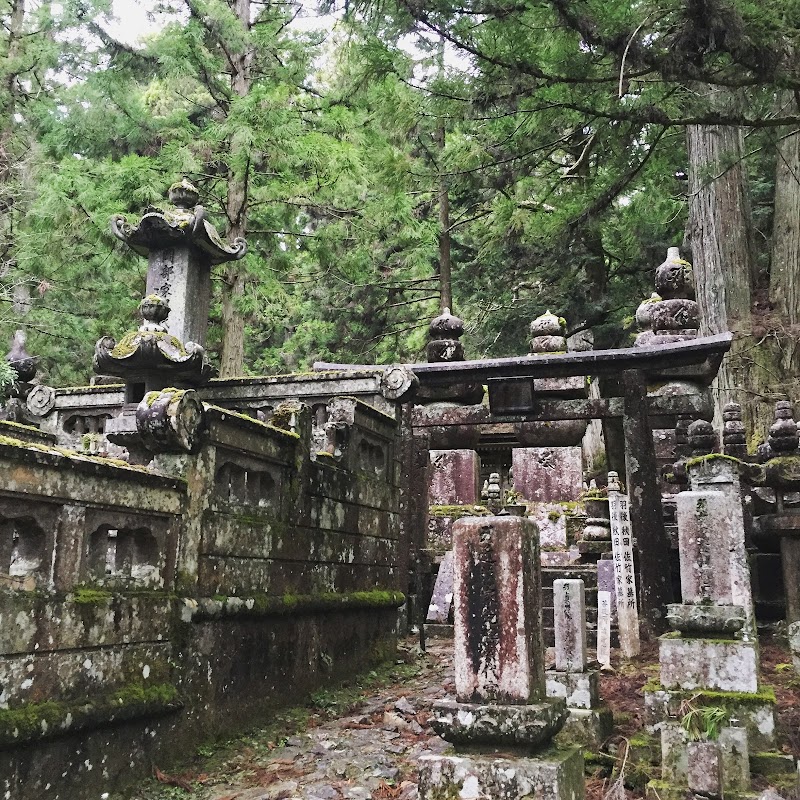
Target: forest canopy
497 157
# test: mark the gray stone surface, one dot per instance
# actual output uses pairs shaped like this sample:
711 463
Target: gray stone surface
794 644
735 754
579 689
704 769
453 477
569 607
554 775
442 598
548 474
531 724
498 649
604 608
726 666
699 619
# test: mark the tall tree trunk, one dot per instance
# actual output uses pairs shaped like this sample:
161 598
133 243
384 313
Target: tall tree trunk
784 276
445 262
720 231
232 358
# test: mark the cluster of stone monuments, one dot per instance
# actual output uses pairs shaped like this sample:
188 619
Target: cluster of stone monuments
172 541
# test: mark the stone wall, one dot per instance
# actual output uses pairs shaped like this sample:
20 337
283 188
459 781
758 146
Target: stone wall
143 610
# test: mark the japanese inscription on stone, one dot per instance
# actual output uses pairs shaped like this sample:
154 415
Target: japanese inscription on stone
624 573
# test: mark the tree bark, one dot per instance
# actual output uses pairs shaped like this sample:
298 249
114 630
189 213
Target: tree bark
720 231
233 322
784 276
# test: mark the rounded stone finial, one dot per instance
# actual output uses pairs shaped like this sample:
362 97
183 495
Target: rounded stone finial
674 279
183 194
18 357
547 334
783 437
548 324
154 310
443 344
702 437
446 326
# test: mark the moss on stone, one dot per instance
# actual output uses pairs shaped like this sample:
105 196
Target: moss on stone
51 718
456 511
693 462
86 596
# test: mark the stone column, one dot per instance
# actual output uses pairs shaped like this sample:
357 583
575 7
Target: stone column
588 724
499 671
453 478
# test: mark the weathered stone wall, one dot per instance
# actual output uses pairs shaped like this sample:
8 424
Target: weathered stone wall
141 612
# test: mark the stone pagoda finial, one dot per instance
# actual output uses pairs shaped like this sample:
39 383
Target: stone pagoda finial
702 438
445 332
151 355
181 246
734 440
547 334
670 314
783 436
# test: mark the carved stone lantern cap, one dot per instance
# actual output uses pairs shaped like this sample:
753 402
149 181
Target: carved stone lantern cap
181 223
548 324
446 326
151 353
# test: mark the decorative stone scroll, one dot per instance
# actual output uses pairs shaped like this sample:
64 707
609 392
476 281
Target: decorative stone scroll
397 381
624 571
170 420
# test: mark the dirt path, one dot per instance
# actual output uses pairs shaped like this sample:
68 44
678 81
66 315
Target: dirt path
363 741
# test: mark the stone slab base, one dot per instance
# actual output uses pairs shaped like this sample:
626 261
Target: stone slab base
439 631
476 724
554 774
754 712
661 790
723 665
579 689
588 728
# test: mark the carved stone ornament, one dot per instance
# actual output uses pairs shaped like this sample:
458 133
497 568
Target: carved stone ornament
41 400
445 332
183 222
674 277
547 334
151 352
397 381
170 420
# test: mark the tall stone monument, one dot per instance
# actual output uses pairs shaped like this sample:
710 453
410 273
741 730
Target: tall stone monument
167 349
501 720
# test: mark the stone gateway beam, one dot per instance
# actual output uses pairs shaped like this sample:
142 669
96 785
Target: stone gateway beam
518 394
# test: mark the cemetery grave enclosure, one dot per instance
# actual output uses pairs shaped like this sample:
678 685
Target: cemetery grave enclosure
179 551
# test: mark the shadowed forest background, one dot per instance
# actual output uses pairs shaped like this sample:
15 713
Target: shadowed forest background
499 158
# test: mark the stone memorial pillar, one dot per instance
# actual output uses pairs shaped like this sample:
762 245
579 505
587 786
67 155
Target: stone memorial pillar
712 660
624 570
500 698
588 724
454 478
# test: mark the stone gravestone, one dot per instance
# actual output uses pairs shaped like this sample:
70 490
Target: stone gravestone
499 676
442 598
712 659
453 478
453 482
547 474
588 724
624 571
604 600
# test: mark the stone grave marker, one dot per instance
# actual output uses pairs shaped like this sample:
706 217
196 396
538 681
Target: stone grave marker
624 571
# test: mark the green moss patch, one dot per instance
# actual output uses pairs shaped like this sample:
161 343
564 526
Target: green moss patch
56 718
